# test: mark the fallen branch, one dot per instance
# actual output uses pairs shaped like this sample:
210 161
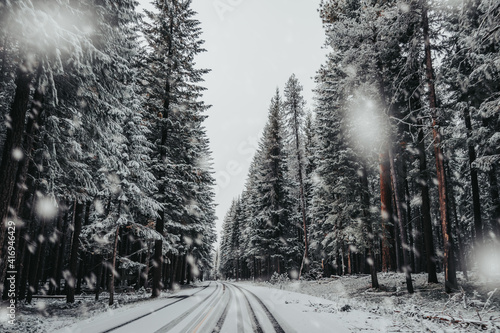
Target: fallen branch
483 325
489 298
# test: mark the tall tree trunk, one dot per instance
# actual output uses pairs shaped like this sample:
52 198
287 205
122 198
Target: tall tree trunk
420 242
73 261
27 147
29 238
81 273
62 251
411 232
113 269
98 276
139 282
369 229
146 269
24 272
388 246
13 143
448 263
166 270
460 246
349 261
33 276
183 269
158 258
476 204
495 200
302 203
189 271
175 272
57 245
425 210
401 223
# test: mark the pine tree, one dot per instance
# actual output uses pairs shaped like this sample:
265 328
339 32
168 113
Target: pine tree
175 108
294 113
335 204
273 215
229 240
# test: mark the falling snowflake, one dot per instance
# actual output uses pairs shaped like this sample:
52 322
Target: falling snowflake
46 208
17 154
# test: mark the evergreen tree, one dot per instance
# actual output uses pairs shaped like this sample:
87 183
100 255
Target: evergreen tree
175 108
273 202
293 107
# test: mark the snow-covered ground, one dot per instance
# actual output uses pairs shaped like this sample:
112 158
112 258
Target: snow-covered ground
475 308
298 312
337 304
50 314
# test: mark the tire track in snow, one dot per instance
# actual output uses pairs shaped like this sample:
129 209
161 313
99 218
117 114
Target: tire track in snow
272 319
223 317
204 317
239 315
153 311
180 318
255 323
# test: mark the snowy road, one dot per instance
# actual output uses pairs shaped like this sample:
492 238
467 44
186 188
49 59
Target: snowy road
229 308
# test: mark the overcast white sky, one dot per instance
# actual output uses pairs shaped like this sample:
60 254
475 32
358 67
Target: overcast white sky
253 47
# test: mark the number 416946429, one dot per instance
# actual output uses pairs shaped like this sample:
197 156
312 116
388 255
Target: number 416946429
11 242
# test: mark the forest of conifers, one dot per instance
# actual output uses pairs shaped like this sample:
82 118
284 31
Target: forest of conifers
396 169
105 174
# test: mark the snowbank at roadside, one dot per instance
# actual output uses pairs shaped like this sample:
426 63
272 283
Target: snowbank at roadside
475 308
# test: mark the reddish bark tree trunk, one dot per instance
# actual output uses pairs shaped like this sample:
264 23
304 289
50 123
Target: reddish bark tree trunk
448 263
